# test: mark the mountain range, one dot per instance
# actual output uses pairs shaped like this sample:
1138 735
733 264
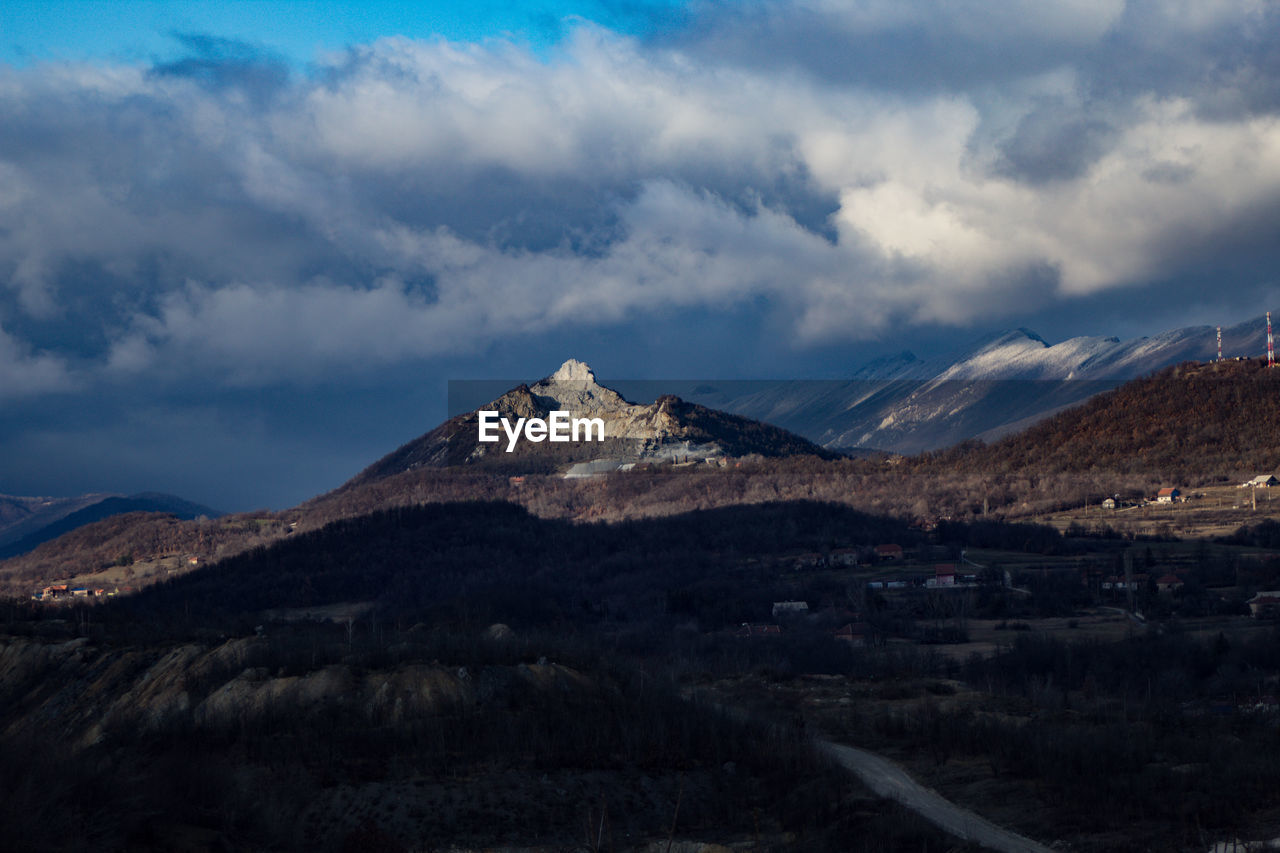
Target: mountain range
999 385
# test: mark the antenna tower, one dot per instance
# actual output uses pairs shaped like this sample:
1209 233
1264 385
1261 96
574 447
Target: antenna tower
1219 343
1271 349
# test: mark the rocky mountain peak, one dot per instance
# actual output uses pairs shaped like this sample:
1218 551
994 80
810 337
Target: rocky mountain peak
667 430
572 371
573 387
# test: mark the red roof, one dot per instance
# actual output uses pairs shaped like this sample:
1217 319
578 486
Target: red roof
1166 492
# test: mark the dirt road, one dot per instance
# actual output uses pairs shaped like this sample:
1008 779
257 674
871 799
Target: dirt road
889 780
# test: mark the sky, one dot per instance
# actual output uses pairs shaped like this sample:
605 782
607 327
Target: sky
245 245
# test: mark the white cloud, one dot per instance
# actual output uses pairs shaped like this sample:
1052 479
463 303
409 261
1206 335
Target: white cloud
24 373
424 198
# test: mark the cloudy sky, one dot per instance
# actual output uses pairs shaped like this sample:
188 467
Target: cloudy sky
244 245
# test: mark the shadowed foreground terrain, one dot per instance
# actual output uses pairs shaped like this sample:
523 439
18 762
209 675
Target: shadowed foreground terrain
305 742
214 711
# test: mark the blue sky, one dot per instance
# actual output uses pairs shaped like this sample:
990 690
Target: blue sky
244 246
143 32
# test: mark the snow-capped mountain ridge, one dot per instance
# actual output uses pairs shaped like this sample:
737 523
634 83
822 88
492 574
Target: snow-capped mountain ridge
1004 381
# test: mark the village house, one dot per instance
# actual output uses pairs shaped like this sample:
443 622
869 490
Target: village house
843 557
1262 481
889 553
944 575
1168 583
1109 503
809 561
51 592
1167 495
790 608
1265 605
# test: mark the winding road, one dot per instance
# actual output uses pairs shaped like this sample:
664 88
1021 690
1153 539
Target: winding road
890 780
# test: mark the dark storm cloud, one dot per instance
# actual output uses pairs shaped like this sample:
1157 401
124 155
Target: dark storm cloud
1224 53
1054 141
1223 56
922 47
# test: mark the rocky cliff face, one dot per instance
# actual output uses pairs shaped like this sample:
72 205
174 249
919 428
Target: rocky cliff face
667 430
573 388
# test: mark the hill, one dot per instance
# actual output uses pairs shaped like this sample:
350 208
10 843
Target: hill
347 686
21 516
668 430
134 549
105 508
1190 425
494 561
233 708
1194 423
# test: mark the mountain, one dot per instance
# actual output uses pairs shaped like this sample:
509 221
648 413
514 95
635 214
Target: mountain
105 507
22 516
1194 423
1001 384
667 430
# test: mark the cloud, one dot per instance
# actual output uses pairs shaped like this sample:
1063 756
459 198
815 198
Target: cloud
842 169
680 250
24 373
228 64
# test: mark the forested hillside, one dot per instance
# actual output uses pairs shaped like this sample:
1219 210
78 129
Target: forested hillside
490 562
1191 425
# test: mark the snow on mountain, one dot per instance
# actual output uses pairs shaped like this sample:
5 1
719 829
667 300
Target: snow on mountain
1002 382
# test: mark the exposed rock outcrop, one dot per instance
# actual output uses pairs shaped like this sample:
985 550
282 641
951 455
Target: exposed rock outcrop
667 430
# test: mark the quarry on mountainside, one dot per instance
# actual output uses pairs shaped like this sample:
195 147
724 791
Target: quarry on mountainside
668 430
